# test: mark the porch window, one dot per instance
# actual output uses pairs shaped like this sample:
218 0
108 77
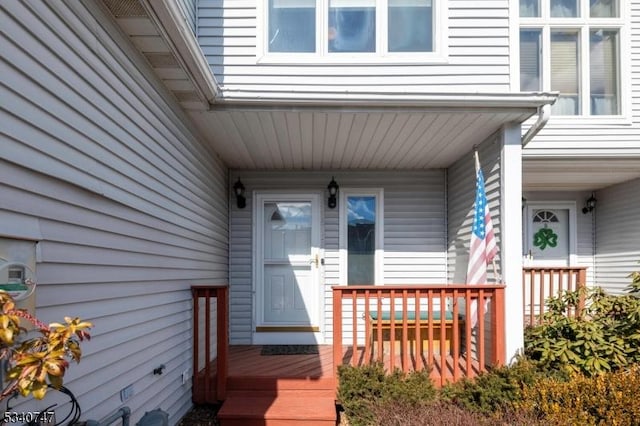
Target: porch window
333 27
361 236
573 46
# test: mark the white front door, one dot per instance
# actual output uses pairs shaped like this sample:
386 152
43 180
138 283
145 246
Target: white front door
550 234
287 286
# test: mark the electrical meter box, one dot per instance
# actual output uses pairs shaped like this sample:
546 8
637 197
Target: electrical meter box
17 272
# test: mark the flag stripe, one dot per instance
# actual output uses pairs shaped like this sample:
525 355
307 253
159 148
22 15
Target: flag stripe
483 247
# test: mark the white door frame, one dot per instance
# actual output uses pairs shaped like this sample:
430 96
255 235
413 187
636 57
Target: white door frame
289 337
573 222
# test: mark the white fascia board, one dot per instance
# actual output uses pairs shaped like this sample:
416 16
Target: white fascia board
184 45
365 99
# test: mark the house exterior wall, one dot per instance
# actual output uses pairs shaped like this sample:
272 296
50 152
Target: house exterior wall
617 235
414 232
128 207
476 57
601 136
189 9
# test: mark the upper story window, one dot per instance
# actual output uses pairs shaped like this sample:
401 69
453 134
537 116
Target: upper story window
334 27
573 47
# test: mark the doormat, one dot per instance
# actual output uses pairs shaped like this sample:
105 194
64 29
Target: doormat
289 350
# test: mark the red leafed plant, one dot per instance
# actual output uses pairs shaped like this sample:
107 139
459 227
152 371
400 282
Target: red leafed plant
36 362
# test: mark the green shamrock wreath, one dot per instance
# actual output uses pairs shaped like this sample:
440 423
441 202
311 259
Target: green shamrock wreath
545 237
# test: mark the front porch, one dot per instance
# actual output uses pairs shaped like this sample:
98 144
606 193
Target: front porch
456 331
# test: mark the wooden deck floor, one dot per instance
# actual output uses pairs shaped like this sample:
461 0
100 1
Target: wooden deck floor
247 365
300 389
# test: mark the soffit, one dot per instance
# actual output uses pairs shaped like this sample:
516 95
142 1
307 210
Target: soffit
577 174
135 22
340 138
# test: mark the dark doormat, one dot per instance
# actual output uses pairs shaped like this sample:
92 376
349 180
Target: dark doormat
289 350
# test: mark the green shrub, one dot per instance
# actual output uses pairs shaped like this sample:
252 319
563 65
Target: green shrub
433 414
603 399
494 391
360 388
604 335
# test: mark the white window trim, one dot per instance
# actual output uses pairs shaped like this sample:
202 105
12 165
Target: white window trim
322 56
379 253
545 22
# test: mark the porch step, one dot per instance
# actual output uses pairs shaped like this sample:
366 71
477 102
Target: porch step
257 383
286 408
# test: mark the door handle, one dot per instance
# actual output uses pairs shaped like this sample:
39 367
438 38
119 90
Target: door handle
315 261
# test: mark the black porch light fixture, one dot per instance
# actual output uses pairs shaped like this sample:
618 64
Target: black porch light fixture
238 189
333 187
590 204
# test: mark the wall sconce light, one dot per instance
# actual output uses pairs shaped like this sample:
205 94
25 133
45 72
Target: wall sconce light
238 189
590 204
333 191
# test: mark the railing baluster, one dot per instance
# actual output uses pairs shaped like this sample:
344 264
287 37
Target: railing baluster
455 335
404 347
480 343
379 328
367 327
392 331
354 320
467 329
419 345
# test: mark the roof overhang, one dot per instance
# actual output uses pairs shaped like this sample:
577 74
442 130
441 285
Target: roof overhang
577 174
314 130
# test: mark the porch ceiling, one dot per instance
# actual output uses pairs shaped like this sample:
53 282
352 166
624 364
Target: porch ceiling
344 130
340 138
588 174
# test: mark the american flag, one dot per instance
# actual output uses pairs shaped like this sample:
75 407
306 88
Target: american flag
483 242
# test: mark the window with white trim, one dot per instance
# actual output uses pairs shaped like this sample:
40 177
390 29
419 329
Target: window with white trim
333 27
361 236
573 47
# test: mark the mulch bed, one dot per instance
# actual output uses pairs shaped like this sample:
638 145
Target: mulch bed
201 415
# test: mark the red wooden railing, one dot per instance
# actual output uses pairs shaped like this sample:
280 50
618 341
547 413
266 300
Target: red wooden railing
209 384
540 283
413 327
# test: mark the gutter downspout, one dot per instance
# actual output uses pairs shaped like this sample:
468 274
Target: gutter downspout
544 112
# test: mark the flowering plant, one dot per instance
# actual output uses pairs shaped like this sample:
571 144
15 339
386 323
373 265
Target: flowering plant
34 363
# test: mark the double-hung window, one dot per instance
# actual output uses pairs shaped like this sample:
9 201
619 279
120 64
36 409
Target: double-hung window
321 28
573 47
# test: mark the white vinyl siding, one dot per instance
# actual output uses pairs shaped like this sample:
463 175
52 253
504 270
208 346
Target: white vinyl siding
414 232
617 235
130 206
476 60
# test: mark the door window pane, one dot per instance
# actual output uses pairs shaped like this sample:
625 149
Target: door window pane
604 9
603 58
530 60
292 26
565 71
564 8
410 26
529 8
361 239
352 26
287 230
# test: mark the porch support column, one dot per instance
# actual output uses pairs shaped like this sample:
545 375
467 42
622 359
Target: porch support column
511 238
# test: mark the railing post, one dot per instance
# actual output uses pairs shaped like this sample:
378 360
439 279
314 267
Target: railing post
497 319
196 347
337 332
582 284
222 364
